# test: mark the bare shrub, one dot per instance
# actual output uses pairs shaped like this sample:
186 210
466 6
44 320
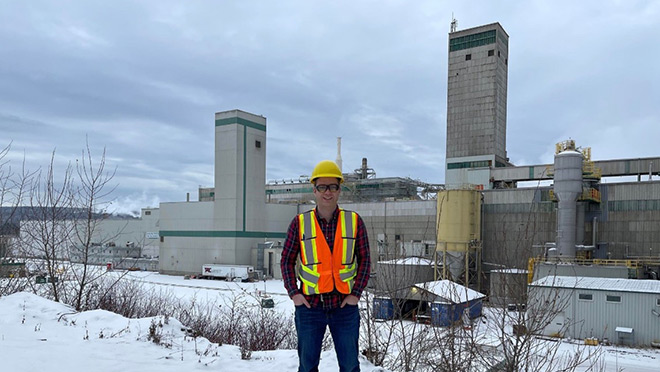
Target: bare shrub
155 332
131 299
243 322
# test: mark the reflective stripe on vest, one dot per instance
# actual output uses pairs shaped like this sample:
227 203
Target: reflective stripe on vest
322 269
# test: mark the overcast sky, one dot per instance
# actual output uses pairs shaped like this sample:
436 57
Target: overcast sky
144 78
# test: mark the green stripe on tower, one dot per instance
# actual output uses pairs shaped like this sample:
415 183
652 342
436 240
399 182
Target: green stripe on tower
244 172
240 121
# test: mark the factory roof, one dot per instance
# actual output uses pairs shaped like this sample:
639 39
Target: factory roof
450 292
601 284
510 271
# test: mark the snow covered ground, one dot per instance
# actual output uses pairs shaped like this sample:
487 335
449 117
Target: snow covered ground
40 335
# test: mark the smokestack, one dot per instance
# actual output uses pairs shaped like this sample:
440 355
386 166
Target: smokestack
568 186
338 161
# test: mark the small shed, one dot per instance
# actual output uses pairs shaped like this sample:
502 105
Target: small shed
624 311
394 277
383 308
447 302
508 286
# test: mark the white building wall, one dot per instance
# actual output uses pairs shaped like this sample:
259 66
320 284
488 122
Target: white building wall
601 318
186 238
279 216
186 216
142 231
462 177
150 226
225 230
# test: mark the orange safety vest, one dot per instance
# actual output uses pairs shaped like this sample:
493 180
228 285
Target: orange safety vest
323 270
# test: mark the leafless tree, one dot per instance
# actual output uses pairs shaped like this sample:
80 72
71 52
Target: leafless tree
518 318
500 340
90 200
13 187
454 348
65 216
47 234
392 333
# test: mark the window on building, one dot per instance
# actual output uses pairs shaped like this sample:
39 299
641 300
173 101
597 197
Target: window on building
162 238
468 57
657 302
498 53
470 164
491 52
471 41
586 296
257 144
147 213
613 298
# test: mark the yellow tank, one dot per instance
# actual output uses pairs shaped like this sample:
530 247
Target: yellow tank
459 219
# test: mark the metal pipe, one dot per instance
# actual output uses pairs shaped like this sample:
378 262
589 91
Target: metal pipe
567 187
579 233
594 229
650 170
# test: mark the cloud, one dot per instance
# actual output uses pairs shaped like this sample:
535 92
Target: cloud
143 80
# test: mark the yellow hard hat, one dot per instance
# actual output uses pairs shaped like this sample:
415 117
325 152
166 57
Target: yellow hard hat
327 168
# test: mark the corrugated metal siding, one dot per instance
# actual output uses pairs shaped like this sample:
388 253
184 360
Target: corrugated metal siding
392 209
634 191
509 196
599 318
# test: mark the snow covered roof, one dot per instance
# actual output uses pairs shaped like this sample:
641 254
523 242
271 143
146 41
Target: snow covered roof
409 261
603 284
510 271
449 291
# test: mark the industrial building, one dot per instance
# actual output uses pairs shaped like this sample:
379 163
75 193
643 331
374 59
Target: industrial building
477 81
140 234
123 243
622 311
479 222
228 228
508 224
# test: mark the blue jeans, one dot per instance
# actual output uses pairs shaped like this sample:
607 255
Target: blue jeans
344 326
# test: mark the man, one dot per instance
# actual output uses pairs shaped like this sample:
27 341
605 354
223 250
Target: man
334 252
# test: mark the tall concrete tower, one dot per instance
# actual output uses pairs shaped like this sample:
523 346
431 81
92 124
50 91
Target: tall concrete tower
234 219
476 105
240 179
240 170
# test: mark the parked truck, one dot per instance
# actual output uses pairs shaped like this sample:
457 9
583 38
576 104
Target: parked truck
228 272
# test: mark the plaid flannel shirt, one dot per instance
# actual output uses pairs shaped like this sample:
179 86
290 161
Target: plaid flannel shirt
292 250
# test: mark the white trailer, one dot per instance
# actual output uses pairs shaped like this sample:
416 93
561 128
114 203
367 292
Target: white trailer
228 272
